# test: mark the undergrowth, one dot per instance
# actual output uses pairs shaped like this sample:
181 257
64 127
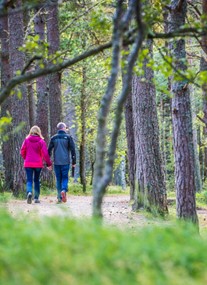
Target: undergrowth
62 251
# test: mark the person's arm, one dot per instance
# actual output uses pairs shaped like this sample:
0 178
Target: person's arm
23 150
72 150
50 148
45 154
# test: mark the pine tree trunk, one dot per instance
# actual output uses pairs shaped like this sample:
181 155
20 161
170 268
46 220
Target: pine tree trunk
182 124
150 188
42 109
6 105
30 85
203 67
54 80
17 61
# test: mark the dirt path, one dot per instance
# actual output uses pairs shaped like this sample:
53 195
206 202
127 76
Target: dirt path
116 210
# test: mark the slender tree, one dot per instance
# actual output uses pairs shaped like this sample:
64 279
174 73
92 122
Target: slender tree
103 176
83 131
130 143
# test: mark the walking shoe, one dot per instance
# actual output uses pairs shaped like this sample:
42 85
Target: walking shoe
29 198
63 196
36 200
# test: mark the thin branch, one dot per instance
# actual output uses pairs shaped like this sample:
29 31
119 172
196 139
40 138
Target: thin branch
195 8
78 17
183 32
35 57
189 80
48 70
129 39
202 120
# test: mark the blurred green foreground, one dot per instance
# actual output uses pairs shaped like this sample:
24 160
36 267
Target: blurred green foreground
59 251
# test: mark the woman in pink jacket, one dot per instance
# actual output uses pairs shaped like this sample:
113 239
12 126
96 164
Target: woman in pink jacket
34 151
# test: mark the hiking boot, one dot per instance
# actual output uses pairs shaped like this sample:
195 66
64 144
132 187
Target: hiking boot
63 196
36 200
29 198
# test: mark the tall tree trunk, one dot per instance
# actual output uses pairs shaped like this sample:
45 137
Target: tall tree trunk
6 105
71 120
20 118
42 107
42 110
182 123
203 67
200 151
54 80
83 131
31 100
150 188
30 84
130 143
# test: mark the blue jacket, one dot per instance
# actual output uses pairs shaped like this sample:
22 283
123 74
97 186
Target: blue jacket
62 146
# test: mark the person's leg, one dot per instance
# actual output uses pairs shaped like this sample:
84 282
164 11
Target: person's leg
65 170
58 176
29 174
37 172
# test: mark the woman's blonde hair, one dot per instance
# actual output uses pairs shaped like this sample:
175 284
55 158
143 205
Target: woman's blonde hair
35 130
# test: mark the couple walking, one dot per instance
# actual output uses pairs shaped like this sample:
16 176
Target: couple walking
34 151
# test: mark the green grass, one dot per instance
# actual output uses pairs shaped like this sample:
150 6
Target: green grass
5 197
55 251
201 199
77 189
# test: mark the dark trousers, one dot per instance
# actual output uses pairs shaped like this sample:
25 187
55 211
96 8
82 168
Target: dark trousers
33 175
61 173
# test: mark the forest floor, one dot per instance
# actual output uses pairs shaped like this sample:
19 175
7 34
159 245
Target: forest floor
116 211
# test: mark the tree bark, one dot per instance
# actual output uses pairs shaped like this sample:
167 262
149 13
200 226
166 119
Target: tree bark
182 123
42 110
6 105
203 67
20 118
54 80
150 188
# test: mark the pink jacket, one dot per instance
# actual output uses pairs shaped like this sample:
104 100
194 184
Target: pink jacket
34 151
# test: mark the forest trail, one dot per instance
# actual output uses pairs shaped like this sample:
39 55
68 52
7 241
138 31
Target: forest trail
116 210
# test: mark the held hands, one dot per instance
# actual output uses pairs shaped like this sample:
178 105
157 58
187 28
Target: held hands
49 167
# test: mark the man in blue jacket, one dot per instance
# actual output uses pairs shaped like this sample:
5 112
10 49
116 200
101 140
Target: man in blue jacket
62 146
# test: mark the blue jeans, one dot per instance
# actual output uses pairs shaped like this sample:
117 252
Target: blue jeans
61 173
33 174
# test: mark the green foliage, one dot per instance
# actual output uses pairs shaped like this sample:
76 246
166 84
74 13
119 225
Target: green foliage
62 251
5 122
201 198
